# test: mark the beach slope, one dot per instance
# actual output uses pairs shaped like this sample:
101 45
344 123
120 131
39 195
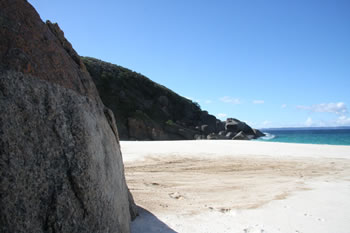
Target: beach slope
238 186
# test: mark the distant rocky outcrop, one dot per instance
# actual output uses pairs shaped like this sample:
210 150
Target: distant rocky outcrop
146 110
61 168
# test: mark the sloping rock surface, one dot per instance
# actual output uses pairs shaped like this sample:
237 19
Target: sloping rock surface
61 167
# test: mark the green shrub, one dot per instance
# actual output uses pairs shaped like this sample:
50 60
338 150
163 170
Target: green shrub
169 122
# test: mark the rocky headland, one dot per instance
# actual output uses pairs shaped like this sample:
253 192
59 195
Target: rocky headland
61 167
146 110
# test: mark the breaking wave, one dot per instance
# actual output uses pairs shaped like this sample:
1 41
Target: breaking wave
268 136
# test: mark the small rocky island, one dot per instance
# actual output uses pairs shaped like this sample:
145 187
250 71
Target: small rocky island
146 110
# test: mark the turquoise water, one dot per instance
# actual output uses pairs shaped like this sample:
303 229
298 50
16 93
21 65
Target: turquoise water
310 136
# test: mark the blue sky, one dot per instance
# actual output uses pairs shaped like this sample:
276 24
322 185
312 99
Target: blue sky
271 63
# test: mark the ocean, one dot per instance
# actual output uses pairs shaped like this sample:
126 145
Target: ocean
308 135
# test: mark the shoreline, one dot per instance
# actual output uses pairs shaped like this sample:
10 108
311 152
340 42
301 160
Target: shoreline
222 148
262 140
238 186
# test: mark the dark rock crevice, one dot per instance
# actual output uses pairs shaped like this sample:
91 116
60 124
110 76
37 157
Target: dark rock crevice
111 121
64 132
77 193
49 222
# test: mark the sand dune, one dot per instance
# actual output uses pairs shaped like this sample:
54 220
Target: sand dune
239 186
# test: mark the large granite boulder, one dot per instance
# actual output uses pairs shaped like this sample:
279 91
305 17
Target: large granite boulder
209 120
220 125
232 125
61 166
212 136
240 136
179 132
221 135
258 133
205 129
235 126
229 135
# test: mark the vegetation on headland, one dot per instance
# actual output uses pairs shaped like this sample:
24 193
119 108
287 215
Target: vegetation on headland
131 95
146 110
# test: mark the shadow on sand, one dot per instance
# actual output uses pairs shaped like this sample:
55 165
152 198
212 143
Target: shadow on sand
146 222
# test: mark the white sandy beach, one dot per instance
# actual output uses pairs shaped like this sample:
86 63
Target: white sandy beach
238 186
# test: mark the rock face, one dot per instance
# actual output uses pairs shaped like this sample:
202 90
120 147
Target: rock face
235 126
145 110
60 162
240 136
